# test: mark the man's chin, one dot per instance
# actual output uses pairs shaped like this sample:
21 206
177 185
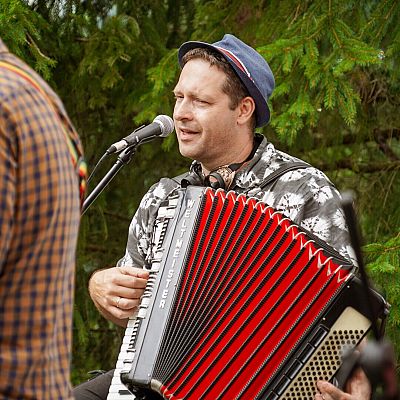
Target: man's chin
188 151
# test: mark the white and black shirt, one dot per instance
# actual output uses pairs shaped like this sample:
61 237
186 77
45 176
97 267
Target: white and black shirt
306 196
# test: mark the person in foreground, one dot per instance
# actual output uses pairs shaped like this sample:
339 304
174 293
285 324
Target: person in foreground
39 220
221 97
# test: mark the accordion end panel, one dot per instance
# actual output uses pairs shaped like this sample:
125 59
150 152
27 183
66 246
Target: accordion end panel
346 333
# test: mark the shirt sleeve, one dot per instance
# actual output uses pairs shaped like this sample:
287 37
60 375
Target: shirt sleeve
323 216
8 174
310 200
140 233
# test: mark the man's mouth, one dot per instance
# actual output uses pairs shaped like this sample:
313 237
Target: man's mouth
184 132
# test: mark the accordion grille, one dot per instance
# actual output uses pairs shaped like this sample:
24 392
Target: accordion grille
251 284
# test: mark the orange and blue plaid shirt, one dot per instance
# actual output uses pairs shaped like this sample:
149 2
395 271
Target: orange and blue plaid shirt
39 222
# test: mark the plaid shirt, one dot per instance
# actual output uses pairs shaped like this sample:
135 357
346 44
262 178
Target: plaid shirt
39 220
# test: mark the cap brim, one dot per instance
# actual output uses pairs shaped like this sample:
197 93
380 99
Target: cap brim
262 109
187 46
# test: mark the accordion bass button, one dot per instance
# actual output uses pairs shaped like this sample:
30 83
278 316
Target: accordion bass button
319 336
294 369
282 385
306 353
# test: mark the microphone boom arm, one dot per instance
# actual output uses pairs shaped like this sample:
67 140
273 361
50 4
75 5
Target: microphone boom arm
123 159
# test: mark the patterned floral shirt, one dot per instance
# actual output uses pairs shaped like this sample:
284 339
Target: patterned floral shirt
305 195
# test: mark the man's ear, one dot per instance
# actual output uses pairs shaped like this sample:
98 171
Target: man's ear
246 108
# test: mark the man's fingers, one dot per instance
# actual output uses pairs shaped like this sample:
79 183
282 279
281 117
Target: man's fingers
121 313
126 304
359 385
119 282
126 292
330 392
120 307
129 277
134 271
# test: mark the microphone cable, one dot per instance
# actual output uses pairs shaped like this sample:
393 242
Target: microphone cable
107 153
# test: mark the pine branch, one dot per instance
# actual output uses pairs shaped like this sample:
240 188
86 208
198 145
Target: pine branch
383 145
99 330
117 216
349 139
366 168
94 248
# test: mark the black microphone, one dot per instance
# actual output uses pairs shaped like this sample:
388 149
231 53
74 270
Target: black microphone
162 126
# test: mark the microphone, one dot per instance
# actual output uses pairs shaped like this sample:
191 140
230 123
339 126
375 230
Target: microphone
162 126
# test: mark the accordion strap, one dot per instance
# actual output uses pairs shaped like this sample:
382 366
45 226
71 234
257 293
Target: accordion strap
71 136
191 178
282 170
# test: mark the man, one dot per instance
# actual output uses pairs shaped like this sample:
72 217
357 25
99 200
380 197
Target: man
221 96
39 220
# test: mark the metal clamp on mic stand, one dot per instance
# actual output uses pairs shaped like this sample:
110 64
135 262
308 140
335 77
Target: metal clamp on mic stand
377 357
123 159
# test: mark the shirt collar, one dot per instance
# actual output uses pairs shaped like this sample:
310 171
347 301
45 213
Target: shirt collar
240 181
245 169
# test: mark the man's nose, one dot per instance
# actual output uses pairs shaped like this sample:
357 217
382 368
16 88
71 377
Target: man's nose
182 110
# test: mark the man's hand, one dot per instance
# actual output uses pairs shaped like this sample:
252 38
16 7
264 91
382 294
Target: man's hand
116 291
357 388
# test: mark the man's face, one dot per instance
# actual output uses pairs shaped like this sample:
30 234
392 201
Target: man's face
204 123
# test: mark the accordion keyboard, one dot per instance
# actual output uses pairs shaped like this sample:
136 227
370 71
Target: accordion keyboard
118 391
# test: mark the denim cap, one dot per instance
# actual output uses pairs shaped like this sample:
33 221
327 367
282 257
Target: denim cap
250 67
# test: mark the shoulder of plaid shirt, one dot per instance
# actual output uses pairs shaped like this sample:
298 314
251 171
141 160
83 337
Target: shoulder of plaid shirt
39 220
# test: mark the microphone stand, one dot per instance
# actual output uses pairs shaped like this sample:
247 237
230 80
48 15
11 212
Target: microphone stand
376 358
123 159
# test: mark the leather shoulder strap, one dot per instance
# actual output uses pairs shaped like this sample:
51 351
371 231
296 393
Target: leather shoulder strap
70 134
282 170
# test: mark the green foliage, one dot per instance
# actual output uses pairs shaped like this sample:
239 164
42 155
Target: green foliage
297 55
114 64
384 269
22 30
162 77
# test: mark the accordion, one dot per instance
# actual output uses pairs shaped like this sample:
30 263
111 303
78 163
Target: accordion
241 303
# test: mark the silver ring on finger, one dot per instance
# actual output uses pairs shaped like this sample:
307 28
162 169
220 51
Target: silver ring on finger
118 300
